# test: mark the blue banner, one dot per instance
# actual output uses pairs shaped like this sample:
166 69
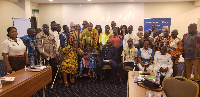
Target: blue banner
160 22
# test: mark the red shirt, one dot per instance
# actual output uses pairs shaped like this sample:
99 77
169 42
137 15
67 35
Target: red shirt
116 40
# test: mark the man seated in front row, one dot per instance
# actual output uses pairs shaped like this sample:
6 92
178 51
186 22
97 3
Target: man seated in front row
163 62
129 55
145 57
108 56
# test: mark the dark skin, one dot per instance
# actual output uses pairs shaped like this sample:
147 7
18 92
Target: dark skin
174 34
46 29
12 35
72 28
130 29
66 29
155 33
140 29
130 45
78 27
153 27
146 45
54 27
74 49
98 28
58 28
90 27
192 29
38 30
146 34
163 51
124 29
113 24
166 33
85 24
31 32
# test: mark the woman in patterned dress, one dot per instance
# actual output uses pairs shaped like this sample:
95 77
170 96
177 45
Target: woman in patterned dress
70 61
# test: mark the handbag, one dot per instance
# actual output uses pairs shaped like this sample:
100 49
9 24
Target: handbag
150 85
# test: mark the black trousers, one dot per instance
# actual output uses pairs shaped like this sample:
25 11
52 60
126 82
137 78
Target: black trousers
53 63
131 64
100 65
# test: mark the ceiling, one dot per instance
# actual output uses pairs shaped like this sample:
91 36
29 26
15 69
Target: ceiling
104 1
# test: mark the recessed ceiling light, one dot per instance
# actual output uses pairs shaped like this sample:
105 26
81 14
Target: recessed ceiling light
80 5
89 0
50 0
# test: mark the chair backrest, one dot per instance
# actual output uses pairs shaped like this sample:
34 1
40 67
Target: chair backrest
180 87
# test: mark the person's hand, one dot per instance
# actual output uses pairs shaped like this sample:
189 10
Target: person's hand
110 61
9 69
27 62
148 65
86 57
74 49
142 64
166 69
162 70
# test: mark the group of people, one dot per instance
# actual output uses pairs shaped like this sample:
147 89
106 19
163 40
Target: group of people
77 48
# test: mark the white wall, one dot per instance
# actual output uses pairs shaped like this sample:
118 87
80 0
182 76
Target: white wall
103 14
181 14
50 12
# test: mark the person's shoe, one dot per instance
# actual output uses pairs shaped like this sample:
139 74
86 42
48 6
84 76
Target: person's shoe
66 84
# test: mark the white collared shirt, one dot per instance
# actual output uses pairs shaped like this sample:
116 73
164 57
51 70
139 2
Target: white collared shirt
132 36
57 38
13 48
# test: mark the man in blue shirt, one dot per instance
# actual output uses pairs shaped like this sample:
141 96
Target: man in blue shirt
64 37
108 56
30 42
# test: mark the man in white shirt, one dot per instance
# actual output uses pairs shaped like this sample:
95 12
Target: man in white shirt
53 31
132 36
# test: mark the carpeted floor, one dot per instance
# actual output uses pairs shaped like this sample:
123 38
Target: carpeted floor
86 87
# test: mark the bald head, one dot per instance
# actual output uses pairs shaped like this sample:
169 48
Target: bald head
192 28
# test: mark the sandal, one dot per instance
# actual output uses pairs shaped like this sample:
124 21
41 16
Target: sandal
66 84
80 74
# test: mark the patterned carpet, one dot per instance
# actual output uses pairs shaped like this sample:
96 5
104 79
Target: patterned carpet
86 87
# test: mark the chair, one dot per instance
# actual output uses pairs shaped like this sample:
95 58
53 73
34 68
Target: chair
180 87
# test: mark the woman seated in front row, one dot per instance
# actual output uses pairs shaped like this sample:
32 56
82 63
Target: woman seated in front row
163 62
145 57
88 60
70 61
